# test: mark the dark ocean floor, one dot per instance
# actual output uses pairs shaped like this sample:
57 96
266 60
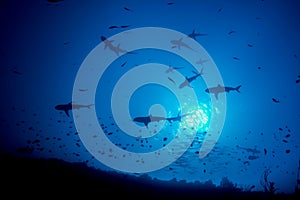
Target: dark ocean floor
45 178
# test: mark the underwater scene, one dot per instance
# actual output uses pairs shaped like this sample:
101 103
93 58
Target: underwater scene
188 96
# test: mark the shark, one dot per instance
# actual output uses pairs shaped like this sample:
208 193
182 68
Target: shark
200 61
188 80
194 34
116 49
251 150
171 69
221 89
177 118
147 119
67 107
179 43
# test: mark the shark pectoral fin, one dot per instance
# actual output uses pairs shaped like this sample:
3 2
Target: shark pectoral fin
216 95
67 112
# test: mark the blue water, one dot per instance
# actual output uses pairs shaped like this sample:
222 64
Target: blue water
255 44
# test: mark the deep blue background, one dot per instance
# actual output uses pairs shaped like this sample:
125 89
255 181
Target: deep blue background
43 45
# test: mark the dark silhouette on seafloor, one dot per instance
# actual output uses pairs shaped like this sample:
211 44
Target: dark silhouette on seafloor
30 177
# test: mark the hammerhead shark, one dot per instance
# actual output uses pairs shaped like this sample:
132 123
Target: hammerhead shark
70 106
188 80
221 89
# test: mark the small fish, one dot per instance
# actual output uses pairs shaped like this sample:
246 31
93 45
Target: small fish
231 32
113 27
17 72
253 157
250 45
171 80
170 3
298 81
219 10
236 58
124 64
124 26
275 100
265 151
128 9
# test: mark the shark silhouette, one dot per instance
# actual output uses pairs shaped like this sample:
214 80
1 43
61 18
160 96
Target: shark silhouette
146 120
179 43
194 34
251 150
221 89
116 49
67 107
177 118
171 69
188 80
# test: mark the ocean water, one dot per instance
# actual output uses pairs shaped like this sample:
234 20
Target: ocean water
122 62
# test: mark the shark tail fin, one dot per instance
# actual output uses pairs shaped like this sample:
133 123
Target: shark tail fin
238 88
194 72
201 72
89 106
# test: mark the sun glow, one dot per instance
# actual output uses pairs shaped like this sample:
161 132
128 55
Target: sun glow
196 119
